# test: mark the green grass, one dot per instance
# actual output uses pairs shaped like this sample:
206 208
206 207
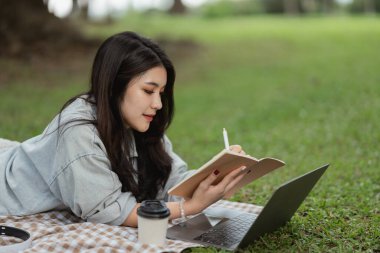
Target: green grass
304 90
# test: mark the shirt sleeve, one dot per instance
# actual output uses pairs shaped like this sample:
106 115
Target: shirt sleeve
179 169
86 183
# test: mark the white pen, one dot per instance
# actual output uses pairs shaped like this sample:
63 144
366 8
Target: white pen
225 137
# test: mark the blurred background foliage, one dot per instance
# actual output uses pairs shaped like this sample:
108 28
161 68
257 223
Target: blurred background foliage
27 26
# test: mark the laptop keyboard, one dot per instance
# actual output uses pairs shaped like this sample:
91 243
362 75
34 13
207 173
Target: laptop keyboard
228 233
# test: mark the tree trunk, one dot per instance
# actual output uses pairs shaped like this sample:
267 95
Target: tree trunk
327 6
309 5
177 8
291 7
369 6
27 28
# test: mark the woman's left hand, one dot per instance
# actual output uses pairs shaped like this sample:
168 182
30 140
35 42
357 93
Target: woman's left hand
237 149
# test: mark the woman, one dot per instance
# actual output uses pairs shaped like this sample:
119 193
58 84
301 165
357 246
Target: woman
106 150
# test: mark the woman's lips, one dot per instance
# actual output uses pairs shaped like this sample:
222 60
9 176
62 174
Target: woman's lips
149 118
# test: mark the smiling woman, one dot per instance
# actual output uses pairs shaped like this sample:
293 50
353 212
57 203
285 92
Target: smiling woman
143 98
109 140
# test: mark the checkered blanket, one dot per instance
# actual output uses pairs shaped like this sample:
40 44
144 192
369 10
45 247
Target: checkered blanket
62 231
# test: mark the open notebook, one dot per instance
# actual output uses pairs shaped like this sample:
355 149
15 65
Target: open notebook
226 161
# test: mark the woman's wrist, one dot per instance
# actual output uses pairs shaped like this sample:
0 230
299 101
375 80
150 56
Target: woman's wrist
182 212
191 208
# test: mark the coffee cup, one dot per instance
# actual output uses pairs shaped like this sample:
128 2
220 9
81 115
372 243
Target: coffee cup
153 217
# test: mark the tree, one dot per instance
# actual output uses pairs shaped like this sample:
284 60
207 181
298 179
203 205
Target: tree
327 6
27 28
291 6
299 6
283 6
177 8
369 6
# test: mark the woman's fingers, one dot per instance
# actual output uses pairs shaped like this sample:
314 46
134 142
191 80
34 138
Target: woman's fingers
229 181
237 149
231 176
207 193
234 182
209 179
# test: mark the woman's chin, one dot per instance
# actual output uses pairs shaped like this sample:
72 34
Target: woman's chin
142 129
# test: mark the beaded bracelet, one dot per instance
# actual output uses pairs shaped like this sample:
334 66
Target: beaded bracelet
182 210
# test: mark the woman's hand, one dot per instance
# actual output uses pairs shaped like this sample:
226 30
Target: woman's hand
207 193
237 149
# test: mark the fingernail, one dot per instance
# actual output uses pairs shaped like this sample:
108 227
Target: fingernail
243 168
216 172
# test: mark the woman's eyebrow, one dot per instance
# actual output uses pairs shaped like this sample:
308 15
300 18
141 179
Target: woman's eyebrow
153 83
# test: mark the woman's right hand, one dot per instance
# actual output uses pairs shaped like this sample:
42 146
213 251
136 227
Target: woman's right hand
207 193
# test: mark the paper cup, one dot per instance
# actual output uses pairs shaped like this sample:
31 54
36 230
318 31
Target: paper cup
153 217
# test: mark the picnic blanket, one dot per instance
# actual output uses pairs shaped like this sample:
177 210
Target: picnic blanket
62 231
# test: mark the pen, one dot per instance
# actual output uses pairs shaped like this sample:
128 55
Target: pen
225 137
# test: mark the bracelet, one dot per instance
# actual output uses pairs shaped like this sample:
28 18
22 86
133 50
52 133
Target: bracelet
182 211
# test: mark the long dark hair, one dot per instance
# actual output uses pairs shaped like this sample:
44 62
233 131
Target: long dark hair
118 60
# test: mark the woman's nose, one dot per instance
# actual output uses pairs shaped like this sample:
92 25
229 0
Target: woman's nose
157 103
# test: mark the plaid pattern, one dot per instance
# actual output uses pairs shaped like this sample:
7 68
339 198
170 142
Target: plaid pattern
63 232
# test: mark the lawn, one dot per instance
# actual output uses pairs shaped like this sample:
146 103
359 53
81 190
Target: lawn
304 90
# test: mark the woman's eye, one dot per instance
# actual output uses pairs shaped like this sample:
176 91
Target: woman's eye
148 91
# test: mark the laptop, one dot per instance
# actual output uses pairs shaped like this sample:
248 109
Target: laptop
232 229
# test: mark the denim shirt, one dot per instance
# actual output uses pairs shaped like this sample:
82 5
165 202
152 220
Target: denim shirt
70 169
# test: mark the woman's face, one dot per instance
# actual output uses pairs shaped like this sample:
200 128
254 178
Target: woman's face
142 98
